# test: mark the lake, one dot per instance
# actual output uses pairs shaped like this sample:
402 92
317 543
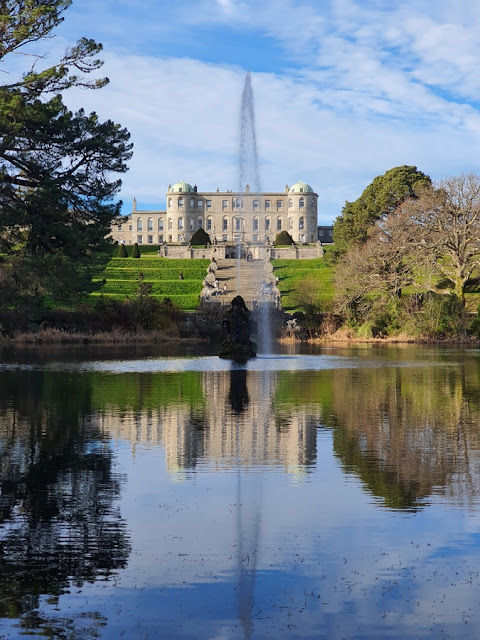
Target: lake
314 493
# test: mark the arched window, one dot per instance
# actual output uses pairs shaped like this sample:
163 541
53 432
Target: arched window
140 224
180 224
225 224
279 224
255 224
160 224
267 224
290 203
192 203
150 224
209 224
301 203
170 202
238 224
180 202
301 223
170 225
199 223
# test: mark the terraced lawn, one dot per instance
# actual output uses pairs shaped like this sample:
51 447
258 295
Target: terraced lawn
122 277
293 274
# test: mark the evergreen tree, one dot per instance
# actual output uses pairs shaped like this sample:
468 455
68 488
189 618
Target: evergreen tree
200 238
380 198
56 190
135 251
122 251
283 238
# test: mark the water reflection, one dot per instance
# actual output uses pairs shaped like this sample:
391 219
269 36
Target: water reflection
59 515
262 502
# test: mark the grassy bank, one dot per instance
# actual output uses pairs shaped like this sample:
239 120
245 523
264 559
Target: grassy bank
160 275
299 280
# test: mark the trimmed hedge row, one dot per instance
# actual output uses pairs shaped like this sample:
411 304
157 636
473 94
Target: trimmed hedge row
165 287
114 273
158 263
183 302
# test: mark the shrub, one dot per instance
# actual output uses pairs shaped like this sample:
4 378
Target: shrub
122 251
200 237
283 238
135 251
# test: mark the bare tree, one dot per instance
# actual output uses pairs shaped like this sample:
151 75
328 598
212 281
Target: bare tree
380 268
446 233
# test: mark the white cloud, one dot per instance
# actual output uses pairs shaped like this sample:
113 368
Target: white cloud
367 88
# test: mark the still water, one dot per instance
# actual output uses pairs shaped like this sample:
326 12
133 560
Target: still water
331 494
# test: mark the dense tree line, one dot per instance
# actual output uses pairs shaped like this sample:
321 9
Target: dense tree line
415 264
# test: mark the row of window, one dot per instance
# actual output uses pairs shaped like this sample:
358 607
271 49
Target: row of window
181 238
238 224
238 203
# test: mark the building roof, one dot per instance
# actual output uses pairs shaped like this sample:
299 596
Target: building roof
301 187
182 187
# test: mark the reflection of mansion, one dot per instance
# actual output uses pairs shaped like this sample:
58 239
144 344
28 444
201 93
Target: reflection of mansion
227 216
215 434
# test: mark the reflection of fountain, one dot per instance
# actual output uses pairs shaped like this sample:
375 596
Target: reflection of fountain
249 520
249 511
238 394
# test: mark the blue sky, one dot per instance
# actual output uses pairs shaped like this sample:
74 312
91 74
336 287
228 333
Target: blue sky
344 89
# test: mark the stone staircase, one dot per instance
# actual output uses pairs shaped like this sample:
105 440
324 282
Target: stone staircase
248 283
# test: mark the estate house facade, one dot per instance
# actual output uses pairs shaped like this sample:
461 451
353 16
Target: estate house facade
227 216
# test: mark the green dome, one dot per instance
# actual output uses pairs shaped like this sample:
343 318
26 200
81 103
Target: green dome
301 187
182 187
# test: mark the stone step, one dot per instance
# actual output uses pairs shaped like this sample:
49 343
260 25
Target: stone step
248 282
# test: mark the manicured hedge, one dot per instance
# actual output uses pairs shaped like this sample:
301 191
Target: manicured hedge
114 273
185 302
158 263
165 287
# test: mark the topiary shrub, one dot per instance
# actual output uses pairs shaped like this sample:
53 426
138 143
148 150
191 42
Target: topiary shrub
122 251
135 251
200 237
283 238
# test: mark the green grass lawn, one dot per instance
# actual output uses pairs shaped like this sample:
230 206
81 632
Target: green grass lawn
293 274
122 279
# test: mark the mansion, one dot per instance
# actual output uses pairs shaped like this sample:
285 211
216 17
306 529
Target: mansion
228 217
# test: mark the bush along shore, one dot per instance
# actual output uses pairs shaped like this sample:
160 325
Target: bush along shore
141 320
147 320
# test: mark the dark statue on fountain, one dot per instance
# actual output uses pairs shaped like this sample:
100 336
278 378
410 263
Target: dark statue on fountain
236 329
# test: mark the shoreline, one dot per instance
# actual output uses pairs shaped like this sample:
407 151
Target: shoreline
56 337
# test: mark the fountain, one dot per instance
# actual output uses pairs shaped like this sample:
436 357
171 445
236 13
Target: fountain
237 344
248 161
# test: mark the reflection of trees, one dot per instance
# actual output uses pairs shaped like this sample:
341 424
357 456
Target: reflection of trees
409 431
405 431
60 521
